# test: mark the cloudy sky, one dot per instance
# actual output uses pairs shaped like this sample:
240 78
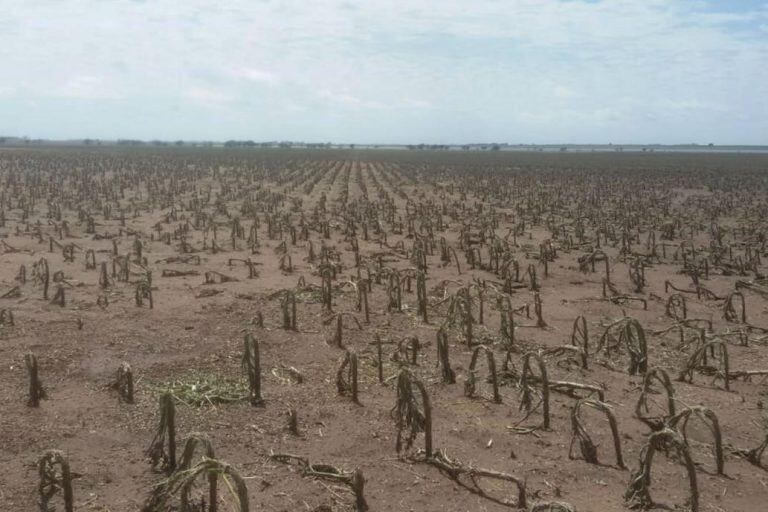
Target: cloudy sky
387 71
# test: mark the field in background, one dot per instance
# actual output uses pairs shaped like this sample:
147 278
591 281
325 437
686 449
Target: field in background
601 268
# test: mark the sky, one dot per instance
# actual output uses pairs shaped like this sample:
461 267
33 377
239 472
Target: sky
387 71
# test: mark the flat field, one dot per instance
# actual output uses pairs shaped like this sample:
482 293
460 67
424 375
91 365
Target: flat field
530 297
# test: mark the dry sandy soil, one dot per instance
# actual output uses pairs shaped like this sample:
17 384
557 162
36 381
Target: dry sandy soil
706 212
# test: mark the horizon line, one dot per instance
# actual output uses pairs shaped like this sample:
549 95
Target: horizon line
4 139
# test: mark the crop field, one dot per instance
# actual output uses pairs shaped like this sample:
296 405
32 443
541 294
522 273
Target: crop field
210 330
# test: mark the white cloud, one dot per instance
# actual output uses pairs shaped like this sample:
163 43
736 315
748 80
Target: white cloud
691 104
88 87
207 97
290 106
563 92
416 103
258 76
350 101
423 64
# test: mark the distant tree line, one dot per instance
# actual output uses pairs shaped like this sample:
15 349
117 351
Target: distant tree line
429 146
281 144
465 147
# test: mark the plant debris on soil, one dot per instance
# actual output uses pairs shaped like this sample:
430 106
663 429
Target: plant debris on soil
202 388
382 330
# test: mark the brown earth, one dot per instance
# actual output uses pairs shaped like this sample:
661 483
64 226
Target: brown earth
105 439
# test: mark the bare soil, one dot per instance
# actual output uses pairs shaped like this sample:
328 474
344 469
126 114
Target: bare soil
519 200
